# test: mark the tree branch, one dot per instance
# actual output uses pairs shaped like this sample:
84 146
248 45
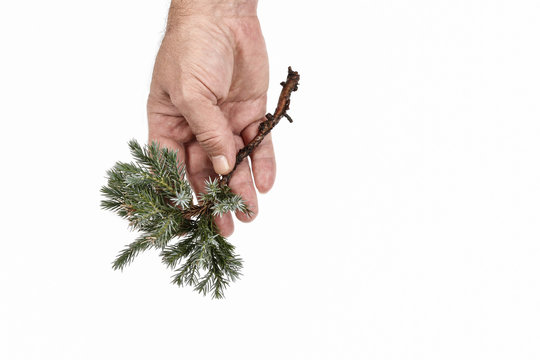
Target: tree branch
153 193
290 85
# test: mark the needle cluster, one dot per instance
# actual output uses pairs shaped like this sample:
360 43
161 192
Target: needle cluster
154 195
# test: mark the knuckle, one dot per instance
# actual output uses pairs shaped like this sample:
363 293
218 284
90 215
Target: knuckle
186 100
190 94
211 140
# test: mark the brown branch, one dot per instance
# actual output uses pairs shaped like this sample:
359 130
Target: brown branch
290 85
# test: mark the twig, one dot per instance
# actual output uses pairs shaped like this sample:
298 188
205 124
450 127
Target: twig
290 85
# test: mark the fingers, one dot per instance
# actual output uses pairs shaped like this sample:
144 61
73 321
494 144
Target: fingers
225 224
242 184
199 169
263 160
215 152
212 131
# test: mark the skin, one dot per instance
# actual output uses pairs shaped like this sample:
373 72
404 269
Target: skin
208 95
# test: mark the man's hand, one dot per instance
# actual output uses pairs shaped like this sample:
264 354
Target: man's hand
208 95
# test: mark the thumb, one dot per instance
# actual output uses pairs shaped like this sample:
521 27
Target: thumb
213 132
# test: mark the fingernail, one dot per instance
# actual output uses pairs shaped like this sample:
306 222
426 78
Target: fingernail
221 166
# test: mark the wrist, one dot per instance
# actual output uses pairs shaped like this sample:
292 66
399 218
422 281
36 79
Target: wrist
217 8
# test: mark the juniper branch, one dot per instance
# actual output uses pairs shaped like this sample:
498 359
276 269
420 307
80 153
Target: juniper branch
154 195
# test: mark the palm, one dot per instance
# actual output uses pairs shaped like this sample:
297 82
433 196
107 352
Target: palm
227 64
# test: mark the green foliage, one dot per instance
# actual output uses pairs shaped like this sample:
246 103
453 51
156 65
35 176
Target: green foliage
223 199
204 249
153 194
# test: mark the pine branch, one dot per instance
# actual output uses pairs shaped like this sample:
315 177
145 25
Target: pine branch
154 195
290 85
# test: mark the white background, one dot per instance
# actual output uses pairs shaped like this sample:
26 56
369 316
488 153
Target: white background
404 222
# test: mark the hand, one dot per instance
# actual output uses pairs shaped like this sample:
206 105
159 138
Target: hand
208 94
